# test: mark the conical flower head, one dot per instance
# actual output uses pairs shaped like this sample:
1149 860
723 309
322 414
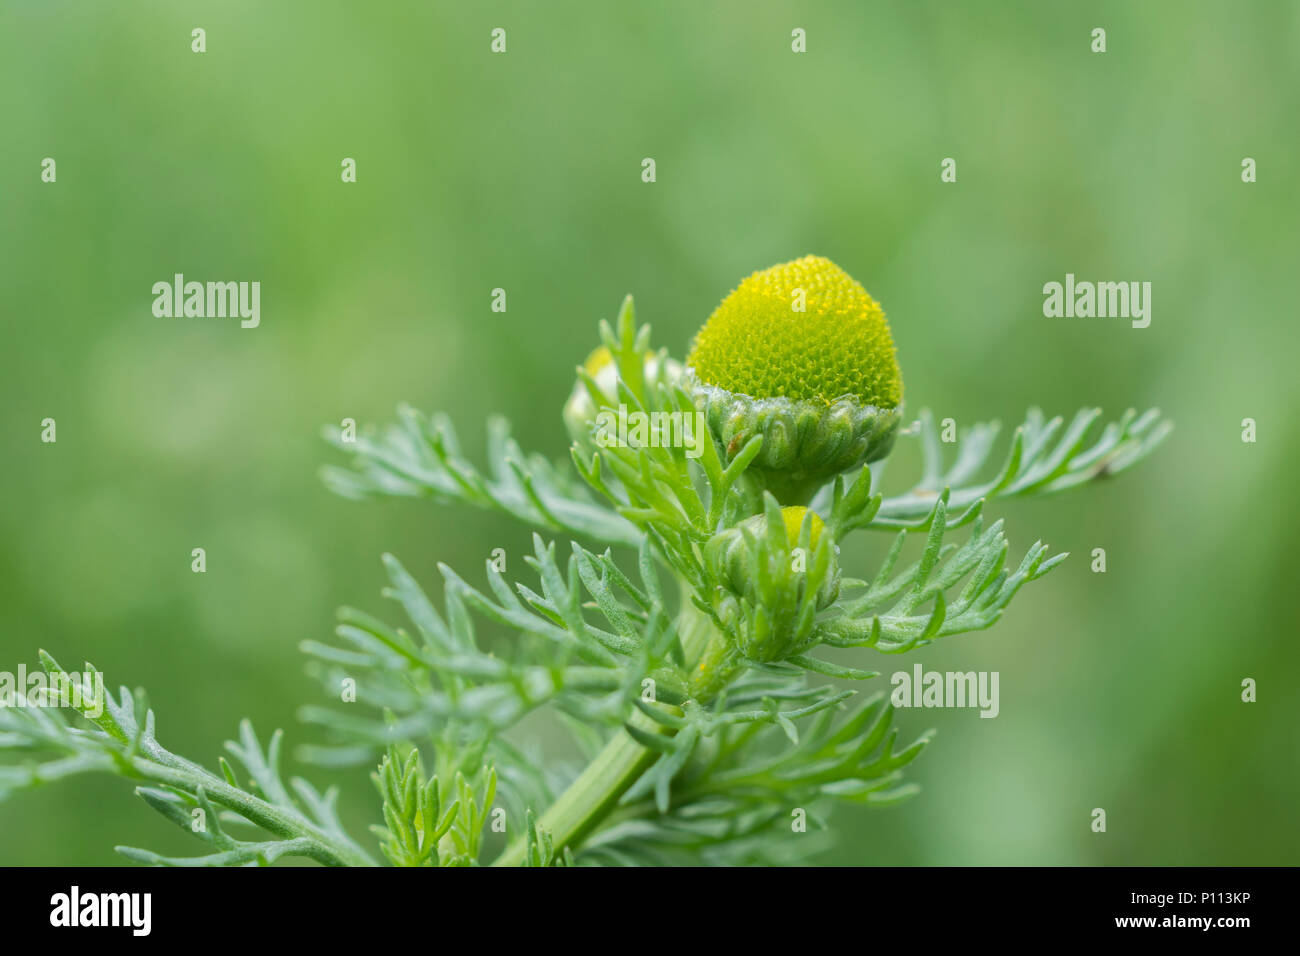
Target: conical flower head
801 354
801 330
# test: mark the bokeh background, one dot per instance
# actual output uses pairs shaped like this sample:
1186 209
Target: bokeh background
522 171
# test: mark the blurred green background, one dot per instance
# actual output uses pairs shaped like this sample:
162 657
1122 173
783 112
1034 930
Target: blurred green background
522 171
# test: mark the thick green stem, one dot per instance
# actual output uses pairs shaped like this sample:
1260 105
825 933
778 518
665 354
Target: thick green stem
596 792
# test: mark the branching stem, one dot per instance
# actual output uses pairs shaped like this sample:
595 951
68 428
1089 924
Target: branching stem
589 800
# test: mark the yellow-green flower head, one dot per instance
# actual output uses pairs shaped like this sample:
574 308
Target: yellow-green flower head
801 330
802 355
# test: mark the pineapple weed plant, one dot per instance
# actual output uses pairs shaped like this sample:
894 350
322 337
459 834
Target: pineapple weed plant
684 653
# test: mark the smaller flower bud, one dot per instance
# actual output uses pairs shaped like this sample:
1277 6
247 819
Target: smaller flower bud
777 570
580 410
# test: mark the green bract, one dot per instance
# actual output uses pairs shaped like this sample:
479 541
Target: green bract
805 443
